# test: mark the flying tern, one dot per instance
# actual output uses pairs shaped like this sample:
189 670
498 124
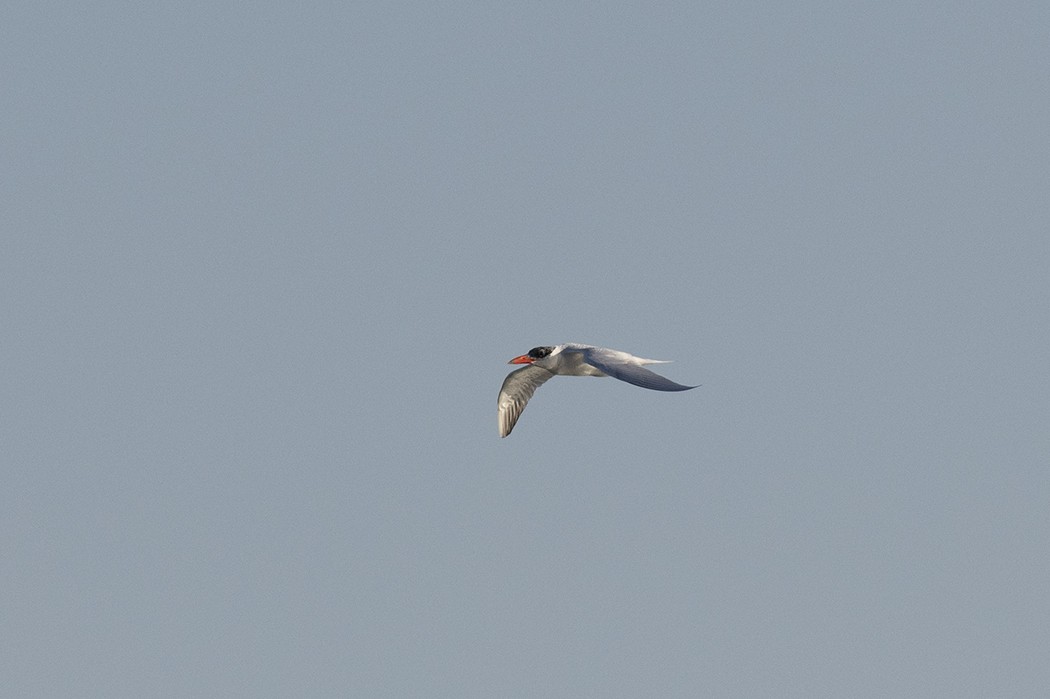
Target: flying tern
572 359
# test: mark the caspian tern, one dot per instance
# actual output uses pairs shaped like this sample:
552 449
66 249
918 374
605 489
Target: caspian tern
572 359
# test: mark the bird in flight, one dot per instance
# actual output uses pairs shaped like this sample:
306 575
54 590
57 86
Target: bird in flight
572 359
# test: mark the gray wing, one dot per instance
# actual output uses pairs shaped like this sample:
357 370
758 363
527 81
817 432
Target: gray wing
517 388
632 373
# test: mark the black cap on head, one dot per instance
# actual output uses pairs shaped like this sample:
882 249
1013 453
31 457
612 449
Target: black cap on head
540 352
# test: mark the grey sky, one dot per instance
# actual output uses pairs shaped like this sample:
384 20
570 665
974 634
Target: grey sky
263 265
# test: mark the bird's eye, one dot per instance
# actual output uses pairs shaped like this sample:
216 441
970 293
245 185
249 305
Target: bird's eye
539 352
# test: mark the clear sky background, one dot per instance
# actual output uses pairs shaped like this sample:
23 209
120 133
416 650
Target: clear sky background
263 265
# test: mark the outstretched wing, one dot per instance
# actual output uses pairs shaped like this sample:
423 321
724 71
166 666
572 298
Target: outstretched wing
517 389
613 366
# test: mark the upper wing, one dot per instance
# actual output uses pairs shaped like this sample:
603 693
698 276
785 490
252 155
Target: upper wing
517 388
612 365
